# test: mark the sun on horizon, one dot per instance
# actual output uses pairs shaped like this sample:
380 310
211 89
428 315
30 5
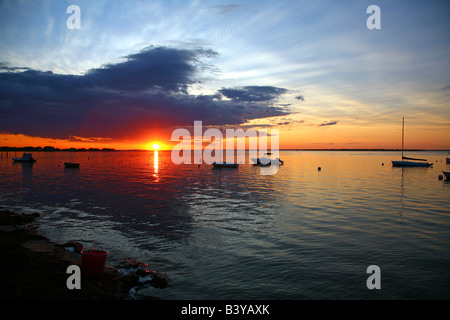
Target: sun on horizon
155 146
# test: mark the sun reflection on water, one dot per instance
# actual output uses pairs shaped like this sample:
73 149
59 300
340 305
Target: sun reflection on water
156 165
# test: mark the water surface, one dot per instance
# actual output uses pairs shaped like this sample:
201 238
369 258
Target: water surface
302 233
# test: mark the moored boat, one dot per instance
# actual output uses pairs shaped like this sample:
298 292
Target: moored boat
26 157
446 174
411 163
415 162
225 165
71 165
265 161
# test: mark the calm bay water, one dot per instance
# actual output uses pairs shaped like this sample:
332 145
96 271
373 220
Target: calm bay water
236 234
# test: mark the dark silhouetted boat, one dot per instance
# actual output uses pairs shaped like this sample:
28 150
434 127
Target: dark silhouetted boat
446 174
225 165
265 161
414 162
71 165
26 157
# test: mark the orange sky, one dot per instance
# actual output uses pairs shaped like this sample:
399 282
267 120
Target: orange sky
300 136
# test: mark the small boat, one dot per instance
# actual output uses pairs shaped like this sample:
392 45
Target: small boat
414 162
411 163
265 161
446 174
26 157
71 165
225 165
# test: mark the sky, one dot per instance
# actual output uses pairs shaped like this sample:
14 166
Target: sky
134 71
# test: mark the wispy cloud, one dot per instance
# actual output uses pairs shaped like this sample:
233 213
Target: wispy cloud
223 9
90 139
253 93
329 123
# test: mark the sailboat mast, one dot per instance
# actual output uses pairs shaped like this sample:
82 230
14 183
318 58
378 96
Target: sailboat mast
403 133
221 146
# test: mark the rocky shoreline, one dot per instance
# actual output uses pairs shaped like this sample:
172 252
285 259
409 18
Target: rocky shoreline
33 267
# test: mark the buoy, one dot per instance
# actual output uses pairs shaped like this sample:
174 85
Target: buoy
441 177
382 164
319 168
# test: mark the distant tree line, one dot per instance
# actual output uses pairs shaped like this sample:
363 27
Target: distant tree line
49 148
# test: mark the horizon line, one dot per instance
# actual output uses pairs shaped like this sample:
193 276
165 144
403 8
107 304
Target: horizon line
55 149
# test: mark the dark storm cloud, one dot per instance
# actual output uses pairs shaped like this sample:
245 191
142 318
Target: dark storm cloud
158 67
147 91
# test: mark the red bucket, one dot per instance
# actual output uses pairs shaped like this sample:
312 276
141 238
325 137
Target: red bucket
93 261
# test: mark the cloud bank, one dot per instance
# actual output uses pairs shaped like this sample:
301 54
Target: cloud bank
147 92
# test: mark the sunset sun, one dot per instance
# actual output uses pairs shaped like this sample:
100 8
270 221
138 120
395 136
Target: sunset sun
155 146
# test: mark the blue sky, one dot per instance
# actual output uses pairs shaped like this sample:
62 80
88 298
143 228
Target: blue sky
321 50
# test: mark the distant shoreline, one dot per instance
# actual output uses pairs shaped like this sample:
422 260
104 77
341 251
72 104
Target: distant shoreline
53 149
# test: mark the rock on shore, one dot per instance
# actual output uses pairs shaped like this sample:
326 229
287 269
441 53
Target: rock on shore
33 267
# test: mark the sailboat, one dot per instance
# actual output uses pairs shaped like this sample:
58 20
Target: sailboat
415 162
223 164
